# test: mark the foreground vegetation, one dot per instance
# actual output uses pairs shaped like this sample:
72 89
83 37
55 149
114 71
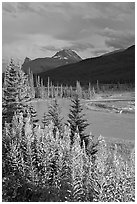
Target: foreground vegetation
58 162
39 166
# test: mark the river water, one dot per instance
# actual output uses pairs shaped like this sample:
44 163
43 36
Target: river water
110 125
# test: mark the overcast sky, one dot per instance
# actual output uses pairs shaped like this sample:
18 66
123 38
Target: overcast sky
91 29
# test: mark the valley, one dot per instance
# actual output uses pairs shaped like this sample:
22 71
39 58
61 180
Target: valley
110 125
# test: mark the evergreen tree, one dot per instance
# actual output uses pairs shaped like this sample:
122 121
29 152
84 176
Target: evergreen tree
93 91
15 92
71 91
78 89
31 84
98 89
54 117
38 81
48 87
89 91
76 120
42 89
66 95
61 91
77 164
57 91
51 90
33 114
44 120
38 87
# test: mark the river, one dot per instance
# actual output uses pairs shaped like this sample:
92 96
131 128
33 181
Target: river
109 125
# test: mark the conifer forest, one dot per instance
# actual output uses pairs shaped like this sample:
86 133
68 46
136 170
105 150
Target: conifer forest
56 161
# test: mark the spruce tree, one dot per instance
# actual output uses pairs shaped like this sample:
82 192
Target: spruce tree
15 92
42 89
44 120
89 91
61 91
57 91
31 84
33 114
98 89
54 117
76 120
79 89
48 87
77 164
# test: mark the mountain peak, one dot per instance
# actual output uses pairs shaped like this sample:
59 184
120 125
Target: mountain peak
67 54
62 57
116 67
27 59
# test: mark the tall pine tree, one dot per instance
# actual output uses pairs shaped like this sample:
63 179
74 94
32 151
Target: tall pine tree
76 120
54 117
31 84
15 92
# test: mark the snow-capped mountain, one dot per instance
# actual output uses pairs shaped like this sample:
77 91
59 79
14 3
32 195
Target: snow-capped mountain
67 54
63 57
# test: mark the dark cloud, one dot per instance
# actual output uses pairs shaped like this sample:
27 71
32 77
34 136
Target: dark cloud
120 40
112 23
49 48
100 52
73 30
24 7
79 26
8 7
14 7
127 7
115 8
74 46
132 5
81 46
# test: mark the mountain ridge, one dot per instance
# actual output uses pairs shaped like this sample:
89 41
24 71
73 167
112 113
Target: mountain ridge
112 68
38 65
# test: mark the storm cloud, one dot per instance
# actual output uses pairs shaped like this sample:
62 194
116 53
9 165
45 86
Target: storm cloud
39 29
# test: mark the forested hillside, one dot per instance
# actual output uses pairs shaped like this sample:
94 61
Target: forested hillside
112 68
